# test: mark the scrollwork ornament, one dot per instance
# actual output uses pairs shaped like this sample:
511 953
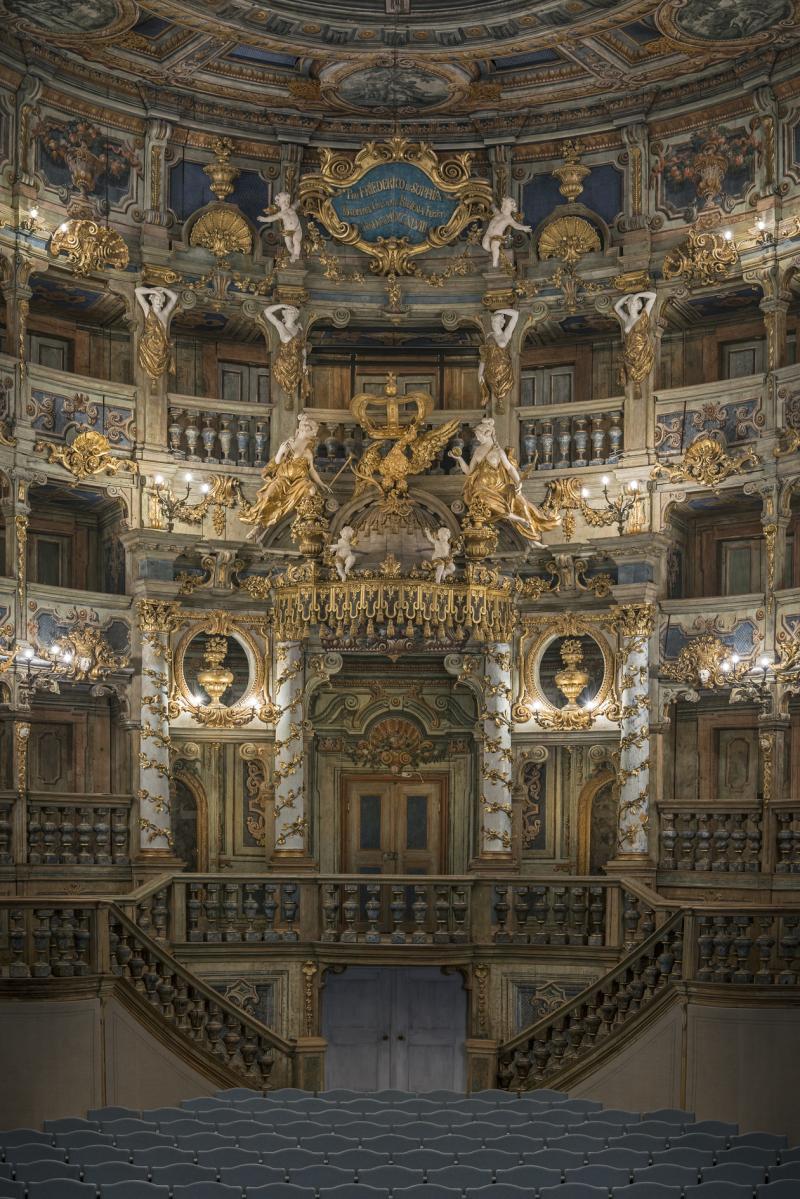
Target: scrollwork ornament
89 454
89 246
704 258
707 462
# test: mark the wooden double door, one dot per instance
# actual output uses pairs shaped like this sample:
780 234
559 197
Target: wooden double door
393 826
394 1027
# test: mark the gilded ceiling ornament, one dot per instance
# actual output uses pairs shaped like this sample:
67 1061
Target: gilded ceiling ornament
221 171
704 258
393 744
700 664
568 238
223 230
89 246
395 200
706 462
571 172
89 454
82 654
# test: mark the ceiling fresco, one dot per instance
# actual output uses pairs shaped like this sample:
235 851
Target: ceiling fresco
472 64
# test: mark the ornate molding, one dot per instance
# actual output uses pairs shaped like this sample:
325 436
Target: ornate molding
89 454
704 258
89 246
707 462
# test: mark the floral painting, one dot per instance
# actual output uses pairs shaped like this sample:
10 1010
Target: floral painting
80 155
715 166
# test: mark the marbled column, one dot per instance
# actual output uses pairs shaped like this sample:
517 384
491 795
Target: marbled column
155 815
496 758
635 627
291 823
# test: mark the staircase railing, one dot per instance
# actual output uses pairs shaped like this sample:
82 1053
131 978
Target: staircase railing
743 946
43 939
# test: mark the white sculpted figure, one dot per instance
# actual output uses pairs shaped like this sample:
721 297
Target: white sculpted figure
290 223
441 558
291 360
343 552
500 222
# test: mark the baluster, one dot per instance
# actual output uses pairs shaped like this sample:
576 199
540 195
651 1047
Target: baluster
630 919
784 840
230 910
180 1004
213 914
564 439
232 1037
17 967
191 432
42 943
330 912
702 860
597 912
174 431
754 843
677 946
289 906
420 911
64 965
243 441
397 910
150 979
539 935
121 951
194 912
764 944
559 935
67 836
260 443
250 910
270 906
722 943
36 836
213 1030
225 438
736 862
120 833
501 909
615 437
687 842
720 844
647 924
705 948
546 460
83 836
83 937
136 966
669 837
144 915
598 440
160 915
580 439
165 990
521 914
441 910
788 944
459 906
49 837
101 834
528 445
373 911
350 914
795 855
742 946
6 830
578 930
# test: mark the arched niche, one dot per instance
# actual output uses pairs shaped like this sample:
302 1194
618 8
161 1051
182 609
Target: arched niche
597 823
190 821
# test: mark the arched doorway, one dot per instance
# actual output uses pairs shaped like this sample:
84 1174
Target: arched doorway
190 823
597 823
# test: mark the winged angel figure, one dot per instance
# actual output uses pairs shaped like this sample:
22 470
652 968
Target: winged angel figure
412 453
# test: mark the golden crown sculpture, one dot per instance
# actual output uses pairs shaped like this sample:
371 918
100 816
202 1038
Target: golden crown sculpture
395 409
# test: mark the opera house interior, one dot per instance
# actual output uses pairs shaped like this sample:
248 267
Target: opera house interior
399 481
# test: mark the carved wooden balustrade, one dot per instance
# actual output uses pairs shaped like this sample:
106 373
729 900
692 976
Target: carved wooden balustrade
787 838
44 940
736 947
75 830
389 910
694 837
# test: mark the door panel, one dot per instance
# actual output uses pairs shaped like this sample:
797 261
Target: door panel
399 1027
393 827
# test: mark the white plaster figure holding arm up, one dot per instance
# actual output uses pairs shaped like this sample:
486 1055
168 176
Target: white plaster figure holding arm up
441 558
500 222
290 222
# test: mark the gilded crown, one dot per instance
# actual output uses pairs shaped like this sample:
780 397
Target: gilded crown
386 417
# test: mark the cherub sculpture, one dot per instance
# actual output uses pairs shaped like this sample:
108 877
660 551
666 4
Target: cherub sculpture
343 552
495 373
291 224
288 479
157 304
441 559
493 487
638 353
500 222
291 360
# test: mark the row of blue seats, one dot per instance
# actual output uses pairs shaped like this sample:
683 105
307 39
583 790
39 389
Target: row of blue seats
69 1189
392 1174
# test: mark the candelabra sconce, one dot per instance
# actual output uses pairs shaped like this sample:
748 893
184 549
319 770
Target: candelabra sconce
39 672
763 235
623 510
757 684
31 222
169 507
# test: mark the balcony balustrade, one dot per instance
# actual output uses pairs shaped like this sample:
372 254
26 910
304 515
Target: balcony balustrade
202 432
555 437
706 839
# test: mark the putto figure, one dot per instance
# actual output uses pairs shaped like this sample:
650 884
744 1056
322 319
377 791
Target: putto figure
343 552
495 373
290 368
289 478
441 559
157 304
291 224
493 487
500 222
638 352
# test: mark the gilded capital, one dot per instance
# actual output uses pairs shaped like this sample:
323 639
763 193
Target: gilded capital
158 616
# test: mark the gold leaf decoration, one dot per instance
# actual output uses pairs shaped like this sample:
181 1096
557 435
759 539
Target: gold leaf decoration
89 246
568 238
223 230
703 258
89 454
